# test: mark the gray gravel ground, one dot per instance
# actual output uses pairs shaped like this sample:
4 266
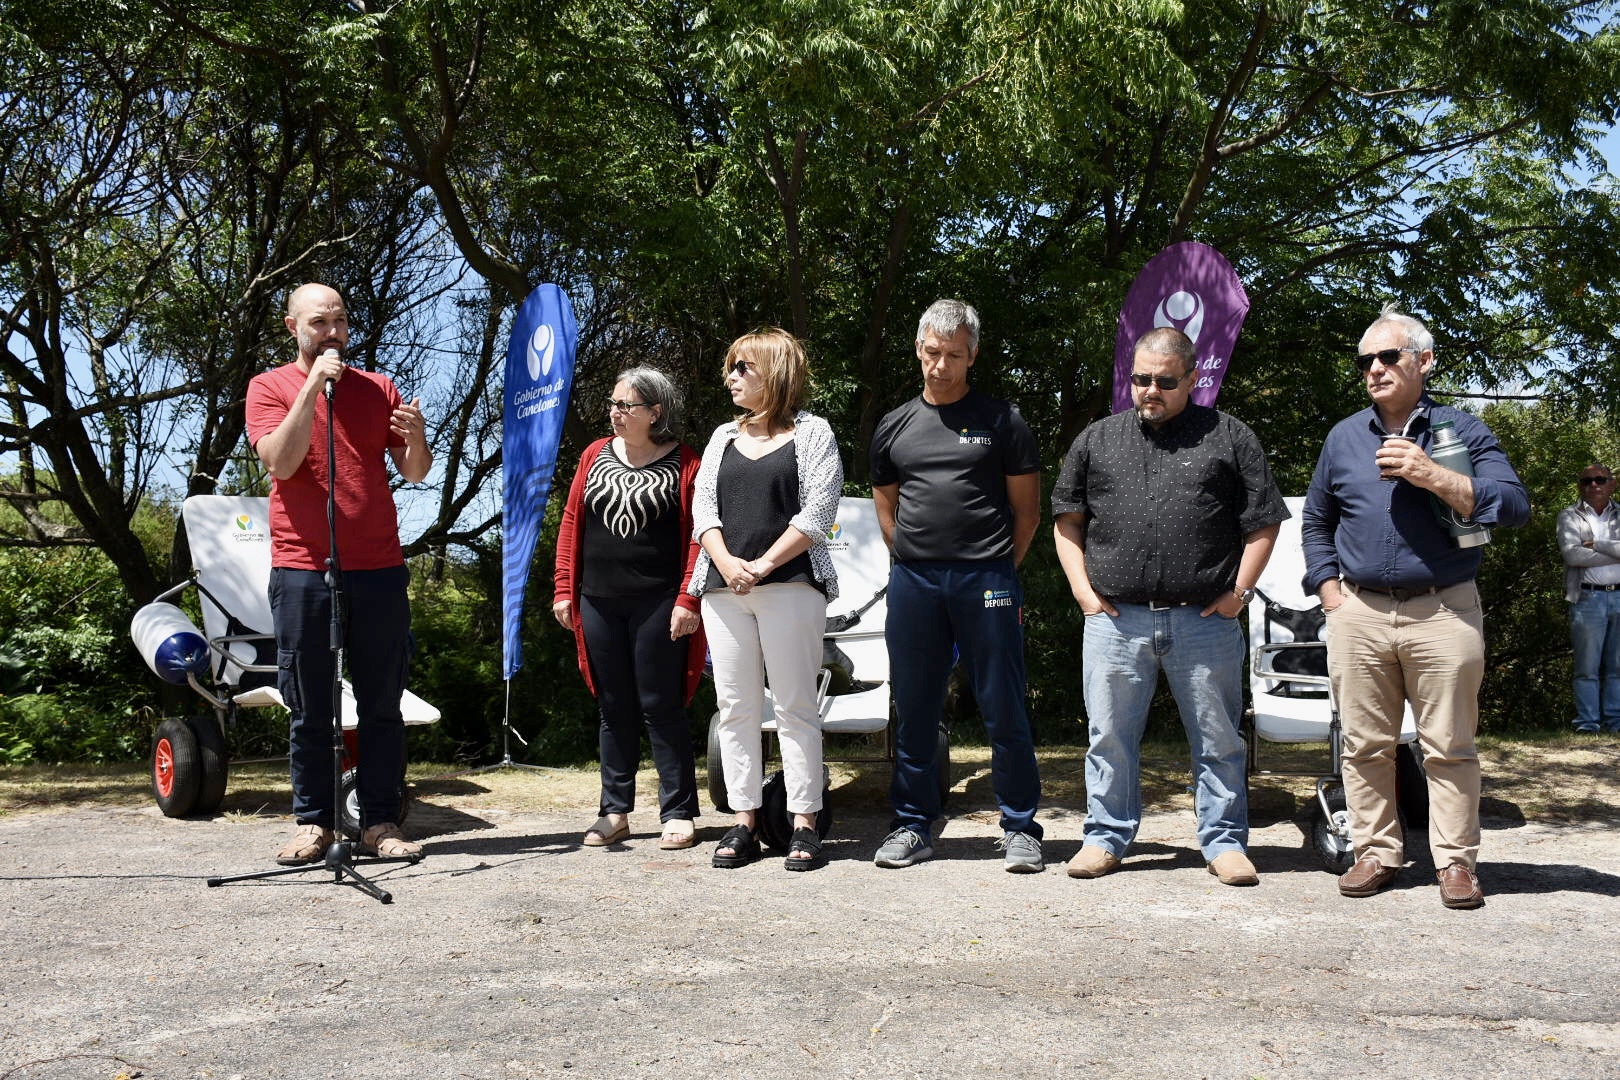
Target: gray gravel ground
512 952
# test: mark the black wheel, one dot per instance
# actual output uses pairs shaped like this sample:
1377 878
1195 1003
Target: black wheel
942 765
1411 786
215 761
961 705
349 813
1330 833
773 822
176 768
717 772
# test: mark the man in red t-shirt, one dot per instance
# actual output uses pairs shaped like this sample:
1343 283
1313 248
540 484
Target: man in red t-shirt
287 423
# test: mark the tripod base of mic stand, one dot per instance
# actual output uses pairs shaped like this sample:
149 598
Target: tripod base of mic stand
340 860
507 763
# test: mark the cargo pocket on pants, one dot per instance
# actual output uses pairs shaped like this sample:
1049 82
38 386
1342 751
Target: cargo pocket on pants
287 681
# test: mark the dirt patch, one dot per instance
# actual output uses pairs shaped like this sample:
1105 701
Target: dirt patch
512 952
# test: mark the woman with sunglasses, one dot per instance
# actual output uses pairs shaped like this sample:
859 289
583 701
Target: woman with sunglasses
624 560
766 495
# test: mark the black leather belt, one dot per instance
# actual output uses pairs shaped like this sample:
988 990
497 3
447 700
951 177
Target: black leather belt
1400 595
1600 588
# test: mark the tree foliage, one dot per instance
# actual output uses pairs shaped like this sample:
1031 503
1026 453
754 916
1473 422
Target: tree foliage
691 171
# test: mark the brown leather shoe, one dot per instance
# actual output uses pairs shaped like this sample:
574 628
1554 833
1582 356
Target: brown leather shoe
307 845
1459 888
385 840
1368 876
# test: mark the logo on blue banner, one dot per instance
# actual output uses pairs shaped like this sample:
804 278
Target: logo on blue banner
539 378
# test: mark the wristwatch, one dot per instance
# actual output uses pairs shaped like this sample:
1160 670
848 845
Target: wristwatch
1243 595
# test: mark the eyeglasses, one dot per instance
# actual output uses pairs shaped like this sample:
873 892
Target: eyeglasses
741 367
1163 382
626 406
1596 479
1387 357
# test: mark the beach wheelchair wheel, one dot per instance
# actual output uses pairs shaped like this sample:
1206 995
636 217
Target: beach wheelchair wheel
176 768
349 813
214 761
773 822
1330 831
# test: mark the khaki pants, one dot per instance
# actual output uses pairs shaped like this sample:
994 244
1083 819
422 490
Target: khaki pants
1429 650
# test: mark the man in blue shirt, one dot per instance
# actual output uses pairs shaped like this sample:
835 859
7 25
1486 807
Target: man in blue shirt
1403 615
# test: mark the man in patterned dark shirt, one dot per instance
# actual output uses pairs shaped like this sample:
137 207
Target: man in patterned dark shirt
1164 518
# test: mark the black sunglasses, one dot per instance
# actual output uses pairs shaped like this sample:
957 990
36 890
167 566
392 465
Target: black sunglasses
1163 382
1387 357
1596 479
740 367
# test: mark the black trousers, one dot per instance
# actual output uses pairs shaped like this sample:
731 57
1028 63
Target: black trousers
378 647
640 677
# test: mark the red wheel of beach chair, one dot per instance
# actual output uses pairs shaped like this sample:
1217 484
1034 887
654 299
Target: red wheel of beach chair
176 768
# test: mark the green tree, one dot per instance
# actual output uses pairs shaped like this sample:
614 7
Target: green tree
1527 684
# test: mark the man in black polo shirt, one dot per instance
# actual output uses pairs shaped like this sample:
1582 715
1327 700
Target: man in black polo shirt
1164 518
956 483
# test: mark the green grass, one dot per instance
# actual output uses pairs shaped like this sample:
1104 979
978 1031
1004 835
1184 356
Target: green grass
1557 778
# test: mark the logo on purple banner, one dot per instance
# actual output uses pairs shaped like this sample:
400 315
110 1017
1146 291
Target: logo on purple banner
1191 287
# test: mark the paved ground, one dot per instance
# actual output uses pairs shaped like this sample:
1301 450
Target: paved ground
512 952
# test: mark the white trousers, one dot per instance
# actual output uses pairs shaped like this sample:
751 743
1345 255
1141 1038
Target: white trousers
773 630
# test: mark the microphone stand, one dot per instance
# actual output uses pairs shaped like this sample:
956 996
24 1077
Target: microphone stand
340 856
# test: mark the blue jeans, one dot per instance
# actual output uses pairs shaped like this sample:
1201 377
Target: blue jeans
378 650
1202 659
977 605
1594 630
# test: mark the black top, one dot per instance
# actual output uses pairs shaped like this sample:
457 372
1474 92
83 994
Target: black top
632 541
952 463
1167 508
758 499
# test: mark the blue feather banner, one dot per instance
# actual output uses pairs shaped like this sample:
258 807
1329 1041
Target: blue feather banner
539 378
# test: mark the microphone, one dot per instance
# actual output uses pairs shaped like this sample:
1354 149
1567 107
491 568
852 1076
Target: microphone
330 383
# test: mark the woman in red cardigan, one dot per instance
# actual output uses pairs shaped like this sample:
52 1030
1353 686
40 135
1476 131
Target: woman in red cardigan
624 562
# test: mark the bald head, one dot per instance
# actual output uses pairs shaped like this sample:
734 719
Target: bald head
317 320
312 293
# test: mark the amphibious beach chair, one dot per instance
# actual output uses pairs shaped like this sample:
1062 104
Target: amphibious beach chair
1292 701
231 663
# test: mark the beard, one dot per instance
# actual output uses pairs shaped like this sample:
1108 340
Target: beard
312 344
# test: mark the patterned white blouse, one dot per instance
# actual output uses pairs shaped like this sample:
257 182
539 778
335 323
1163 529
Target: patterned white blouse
821 482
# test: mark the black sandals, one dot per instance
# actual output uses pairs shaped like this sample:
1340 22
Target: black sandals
744 846
807 841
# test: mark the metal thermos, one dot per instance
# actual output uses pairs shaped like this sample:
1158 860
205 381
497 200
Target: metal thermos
1449 450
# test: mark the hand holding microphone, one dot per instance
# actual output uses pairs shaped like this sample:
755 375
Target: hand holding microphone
328 366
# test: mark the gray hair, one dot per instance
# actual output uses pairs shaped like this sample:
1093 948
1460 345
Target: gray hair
656 388
1168 341
1417 335
946 317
